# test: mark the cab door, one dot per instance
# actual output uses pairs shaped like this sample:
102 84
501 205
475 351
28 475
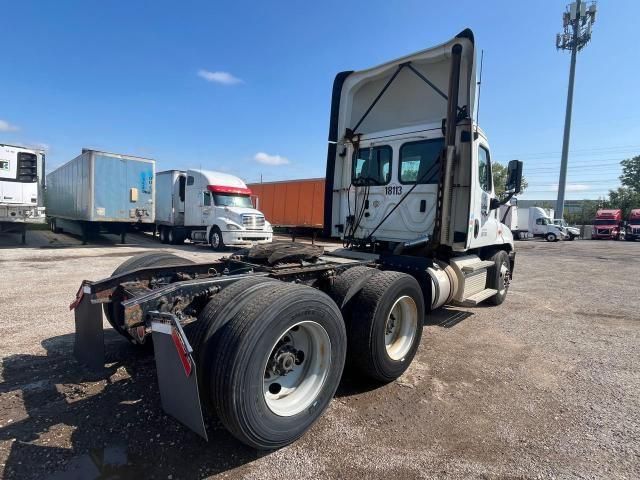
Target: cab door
483 222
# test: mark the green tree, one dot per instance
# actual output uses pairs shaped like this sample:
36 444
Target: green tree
627 196
630 177
500 177
624 198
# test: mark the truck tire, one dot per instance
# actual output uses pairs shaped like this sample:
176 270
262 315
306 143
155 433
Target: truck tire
215 239
174 237
499 277
113 311
551 237
384 325
347 284
216 313
278 363
163 234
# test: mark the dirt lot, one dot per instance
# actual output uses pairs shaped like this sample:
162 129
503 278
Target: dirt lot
545 386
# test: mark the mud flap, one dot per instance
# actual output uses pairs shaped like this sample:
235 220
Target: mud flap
177 376
88 347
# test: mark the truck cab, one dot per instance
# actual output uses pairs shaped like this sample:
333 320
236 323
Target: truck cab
208 207
389 182
608 225
632 232
572 232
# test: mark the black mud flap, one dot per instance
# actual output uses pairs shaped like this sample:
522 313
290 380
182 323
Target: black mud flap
177 376
88 347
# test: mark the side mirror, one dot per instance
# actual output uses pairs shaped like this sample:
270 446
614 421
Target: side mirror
514 177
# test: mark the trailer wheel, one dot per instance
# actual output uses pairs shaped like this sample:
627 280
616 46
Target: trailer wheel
278 364
499 277
113 310
215 239
385 325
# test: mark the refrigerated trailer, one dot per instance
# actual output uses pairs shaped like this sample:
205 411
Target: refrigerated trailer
208 207
101 192
21 188
261 337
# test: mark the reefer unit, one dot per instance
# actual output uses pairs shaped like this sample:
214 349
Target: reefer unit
291 203
100 190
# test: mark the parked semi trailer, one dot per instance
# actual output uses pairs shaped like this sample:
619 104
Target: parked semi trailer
101 192
208 207
21 188
608 225
291 204
261 337
633 225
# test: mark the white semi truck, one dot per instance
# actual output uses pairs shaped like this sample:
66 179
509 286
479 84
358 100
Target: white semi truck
21 188
261 336
208 207
538 222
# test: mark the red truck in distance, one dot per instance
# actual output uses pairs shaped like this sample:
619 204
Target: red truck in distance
608 225
633 225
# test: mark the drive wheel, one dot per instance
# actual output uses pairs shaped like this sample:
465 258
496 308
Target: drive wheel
278 364
171 236
385 325
551 237
113 310
215 239
499 277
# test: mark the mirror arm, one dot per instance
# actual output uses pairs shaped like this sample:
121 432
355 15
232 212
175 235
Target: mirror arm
507 198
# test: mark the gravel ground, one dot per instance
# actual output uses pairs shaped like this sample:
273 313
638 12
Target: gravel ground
545 386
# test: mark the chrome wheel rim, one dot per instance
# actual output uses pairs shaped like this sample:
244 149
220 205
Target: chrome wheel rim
296 368
400 327
215 240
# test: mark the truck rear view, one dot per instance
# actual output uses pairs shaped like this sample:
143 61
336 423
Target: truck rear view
101 191
21 188
263 335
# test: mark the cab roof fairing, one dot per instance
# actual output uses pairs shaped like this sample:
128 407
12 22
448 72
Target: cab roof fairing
408 101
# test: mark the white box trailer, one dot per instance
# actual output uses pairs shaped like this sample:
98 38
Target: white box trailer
208 207
100 191
21 188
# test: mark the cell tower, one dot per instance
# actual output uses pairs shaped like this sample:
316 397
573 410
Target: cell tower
577 22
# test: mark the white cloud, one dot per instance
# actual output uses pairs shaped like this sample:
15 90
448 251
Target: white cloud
224 78
273 160
7 127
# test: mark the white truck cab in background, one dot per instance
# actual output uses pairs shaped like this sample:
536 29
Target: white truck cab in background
208 207
21 188
572 232
538 222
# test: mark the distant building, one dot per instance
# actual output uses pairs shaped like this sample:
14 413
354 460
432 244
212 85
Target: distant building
570 206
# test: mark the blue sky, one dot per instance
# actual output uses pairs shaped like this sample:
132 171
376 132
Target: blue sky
245 87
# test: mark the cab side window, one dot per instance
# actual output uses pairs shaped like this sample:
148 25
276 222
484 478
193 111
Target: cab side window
371 166
484 169
206 199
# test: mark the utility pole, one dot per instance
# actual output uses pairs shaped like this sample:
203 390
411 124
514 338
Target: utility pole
577 21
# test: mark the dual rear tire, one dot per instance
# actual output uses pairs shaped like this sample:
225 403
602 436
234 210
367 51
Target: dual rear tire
271 354
271 359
